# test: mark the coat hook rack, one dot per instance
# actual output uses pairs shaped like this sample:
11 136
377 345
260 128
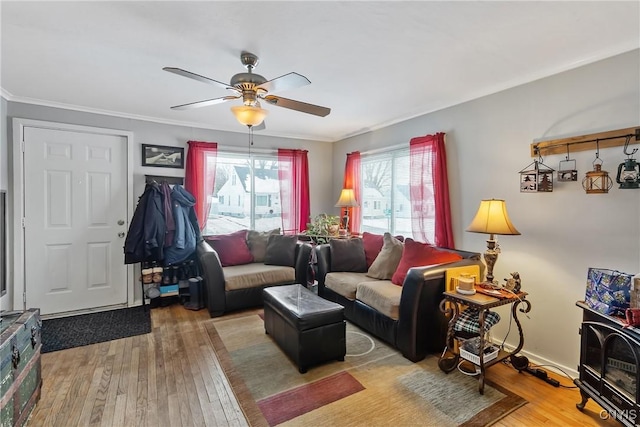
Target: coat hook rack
608 139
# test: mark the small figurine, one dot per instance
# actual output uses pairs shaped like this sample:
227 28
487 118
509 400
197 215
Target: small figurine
513 284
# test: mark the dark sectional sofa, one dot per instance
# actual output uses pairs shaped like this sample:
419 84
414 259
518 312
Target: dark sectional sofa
407 317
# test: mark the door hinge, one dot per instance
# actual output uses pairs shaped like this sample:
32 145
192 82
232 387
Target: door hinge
23 222
22 146
24 298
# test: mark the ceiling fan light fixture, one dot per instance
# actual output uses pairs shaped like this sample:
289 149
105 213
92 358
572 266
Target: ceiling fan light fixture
248 115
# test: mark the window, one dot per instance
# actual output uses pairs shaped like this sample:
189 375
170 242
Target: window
385 195
245 180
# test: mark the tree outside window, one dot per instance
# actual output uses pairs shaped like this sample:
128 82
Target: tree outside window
254 187
385 204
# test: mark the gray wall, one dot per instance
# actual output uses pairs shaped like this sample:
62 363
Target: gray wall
564 232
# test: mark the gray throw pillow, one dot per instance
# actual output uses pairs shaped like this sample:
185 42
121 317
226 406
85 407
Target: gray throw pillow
386 263
348 255
257 242
281 250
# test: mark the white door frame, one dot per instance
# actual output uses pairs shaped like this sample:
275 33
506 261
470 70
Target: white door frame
19 290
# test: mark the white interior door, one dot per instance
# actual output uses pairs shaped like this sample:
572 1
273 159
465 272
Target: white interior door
75 204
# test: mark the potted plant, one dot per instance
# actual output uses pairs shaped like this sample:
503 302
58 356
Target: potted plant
322 227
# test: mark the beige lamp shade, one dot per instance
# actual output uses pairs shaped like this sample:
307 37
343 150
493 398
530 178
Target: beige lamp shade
248 115
347 198
492 218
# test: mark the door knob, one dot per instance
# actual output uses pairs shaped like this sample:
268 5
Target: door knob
121 234
120 222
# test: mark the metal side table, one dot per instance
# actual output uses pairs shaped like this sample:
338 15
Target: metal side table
452 305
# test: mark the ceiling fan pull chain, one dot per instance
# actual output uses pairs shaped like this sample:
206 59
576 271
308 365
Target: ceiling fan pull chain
250 140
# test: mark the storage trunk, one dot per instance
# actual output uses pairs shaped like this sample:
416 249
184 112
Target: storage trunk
19 365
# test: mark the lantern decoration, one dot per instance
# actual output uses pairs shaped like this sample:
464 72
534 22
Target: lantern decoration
567 169
597 181
628 174
538 179
628 171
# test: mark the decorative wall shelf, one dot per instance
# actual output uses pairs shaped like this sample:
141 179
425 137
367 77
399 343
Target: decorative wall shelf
612 138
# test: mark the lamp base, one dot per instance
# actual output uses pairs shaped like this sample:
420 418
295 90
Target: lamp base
345 220
490 258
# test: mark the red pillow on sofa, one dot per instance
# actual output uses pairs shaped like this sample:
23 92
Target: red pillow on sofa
372 246
232 248
416 254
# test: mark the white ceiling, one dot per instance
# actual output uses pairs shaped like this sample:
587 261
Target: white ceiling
373 63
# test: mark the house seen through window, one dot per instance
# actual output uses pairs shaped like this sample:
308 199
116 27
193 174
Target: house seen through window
385 193
253 186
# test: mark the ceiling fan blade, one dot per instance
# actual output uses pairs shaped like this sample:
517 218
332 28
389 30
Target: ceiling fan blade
288 81
198 77
297 105
261 126
204 103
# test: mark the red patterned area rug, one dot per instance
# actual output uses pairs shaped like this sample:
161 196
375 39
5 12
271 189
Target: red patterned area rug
374 386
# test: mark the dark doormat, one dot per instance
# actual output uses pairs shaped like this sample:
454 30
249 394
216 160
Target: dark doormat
92 328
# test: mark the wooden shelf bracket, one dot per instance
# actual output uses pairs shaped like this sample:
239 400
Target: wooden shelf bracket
608 139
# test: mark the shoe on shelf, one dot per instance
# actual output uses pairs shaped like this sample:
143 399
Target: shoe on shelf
147 275
157 274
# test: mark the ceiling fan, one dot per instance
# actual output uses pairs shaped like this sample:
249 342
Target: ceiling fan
252 88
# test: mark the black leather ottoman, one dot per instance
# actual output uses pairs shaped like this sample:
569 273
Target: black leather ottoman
308 328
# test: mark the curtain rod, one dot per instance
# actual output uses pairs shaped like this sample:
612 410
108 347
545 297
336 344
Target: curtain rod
246 150
383 149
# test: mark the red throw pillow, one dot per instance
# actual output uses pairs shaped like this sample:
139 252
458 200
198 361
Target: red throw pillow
417 254
232 248
372 246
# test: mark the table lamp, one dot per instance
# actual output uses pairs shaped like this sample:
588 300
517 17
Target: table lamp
492 218
347 200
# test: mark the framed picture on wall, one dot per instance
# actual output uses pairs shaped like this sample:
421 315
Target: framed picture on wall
162 156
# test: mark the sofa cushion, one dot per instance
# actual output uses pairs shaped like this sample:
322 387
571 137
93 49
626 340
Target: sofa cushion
416 254
257 242
344 283
373 245
348 255
387 260
232 248
281 250
256 274
381 295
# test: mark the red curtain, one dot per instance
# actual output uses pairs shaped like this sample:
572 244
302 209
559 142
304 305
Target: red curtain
429 191
352 180
293 172
200 175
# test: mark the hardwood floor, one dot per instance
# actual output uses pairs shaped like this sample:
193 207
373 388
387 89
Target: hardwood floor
171 377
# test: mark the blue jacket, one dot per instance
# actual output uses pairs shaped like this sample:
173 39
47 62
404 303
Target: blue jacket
145 239
186 233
